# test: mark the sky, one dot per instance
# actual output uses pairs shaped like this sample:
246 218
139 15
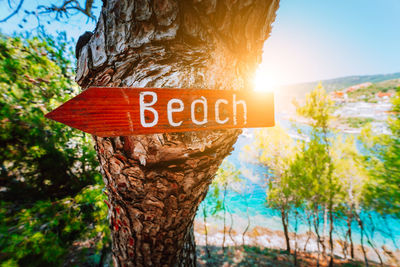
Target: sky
311 40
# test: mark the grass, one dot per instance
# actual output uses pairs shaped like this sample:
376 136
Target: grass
357 122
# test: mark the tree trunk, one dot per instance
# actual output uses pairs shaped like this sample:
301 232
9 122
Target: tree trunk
309 232
331 233
206 228
323 236
285 223
156 182
295 237
248 220
316 229
224 207
231 228
349 232
360 223
369 239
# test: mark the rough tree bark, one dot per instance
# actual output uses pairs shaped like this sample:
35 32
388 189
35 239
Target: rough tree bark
156 182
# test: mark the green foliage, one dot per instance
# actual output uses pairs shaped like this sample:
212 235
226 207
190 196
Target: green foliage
314 166
42 234
356 122
318 108
272 148
383 160
51 190
264 251
227 176
316 175
326 176
36 77
350 174
275 150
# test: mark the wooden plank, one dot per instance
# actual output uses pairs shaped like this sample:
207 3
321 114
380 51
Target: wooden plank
108 111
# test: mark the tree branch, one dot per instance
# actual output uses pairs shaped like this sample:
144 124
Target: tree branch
65 8
14 12
68 5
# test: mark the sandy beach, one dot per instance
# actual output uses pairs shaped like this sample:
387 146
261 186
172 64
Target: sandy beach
264 237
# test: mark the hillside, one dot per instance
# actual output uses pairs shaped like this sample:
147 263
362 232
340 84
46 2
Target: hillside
369 93
359 100
300 90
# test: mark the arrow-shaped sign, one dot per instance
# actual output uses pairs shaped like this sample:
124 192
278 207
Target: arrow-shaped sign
110 111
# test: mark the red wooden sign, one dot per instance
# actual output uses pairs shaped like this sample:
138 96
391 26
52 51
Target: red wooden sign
107 111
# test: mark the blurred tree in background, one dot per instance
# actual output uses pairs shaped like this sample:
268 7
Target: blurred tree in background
274 150
36 77
226 177
325 178
50 186
383 161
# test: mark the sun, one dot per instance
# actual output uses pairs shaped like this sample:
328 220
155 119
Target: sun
264 82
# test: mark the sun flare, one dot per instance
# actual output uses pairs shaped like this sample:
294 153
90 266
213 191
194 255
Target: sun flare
264 82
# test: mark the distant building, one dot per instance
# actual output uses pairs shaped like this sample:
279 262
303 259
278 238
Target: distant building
338 96
384 95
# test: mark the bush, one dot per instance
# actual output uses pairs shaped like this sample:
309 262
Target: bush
50 187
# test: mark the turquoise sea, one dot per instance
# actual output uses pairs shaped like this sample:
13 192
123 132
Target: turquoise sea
252 191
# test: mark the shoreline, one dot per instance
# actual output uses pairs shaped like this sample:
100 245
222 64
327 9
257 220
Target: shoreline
264 237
